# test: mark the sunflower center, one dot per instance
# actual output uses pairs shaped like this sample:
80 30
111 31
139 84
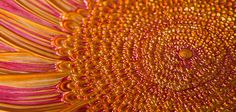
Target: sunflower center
124 54
185 53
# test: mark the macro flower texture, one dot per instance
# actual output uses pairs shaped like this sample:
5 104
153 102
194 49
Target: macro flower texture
117 55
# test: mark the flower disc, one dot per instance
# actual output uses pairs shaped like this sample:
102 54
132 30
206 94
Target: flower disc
153 55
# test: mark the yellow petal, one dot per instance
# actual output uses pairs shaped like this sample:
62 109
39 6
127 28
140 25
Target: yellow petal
31 80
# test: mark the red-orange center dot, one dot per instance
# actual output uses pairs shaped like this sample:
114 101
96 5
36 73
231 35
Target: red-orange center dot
185 53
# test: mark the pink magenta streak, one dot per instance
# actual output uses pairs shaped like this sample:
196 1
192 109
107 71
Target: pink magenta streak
6 48
46 44
14 95
26 98
20 98
17 96
31 103
7 88
27 91
25 67
12 7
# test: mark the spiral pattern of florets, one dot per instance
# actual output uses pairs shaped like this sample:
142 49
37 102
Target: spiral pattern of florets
152 55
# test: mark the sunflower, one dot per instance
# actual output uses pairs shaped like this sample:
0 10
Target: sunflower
117 55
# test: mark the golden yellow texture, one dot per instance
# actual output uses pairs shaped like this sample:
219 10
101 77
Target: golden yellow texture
150 55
